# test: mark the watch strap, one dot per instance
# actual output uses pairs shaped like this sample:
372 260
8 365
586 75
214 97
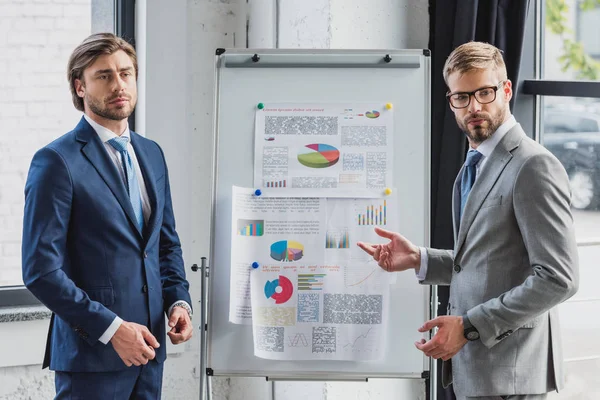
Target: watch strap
183 305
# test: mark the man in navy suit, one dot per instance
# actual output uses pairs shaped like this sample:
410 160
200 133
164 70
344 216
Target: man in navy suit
100 248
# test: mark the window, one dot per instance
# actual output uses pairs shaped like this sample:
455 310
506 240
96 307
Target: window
36 39
565 41
588 29
562 121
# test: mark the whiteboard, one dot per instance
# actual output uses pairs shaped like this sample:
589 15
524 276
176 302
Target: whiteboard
320 76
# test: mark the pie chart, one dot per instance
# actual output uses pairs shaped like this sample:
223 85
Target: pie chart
287 250
280 289
318 155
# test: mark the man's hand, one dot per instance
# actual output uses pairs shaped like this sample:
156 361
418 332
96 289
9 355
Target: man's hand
398 254
448 340
134 344
181 325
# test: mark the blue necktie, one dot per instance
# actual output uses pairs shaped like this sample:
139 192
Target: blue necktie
468 177
133 188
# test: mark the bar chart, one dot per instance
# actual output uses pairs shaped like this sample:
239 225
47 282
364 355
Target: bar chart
375 214
310 281
250 227
337 239
276 184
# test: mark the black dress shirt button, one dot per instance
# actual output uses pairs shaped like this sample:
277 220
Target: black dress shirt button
457 268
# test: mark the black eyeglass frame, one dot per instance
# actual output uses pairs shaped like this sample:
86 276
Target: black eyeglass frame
472 94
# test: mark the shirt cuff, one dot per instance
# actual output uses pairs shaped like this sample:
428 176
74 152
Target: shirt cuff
110 332
423 268
178 301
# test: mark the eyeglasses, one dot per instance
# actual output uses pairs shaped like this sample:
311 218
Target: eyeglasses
483 95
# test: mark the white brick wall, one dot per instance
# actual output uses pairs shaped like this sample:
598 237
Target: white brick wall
36 39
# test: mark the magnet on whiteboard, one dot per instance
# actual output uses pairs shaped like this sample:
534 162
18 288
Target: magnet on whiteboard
389 106
255 265
257 192
387 191
260 106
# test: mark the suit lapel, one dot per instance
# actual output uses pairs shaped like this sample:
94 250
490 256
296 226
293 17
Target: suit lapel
456 202
484 183
149 180
96 153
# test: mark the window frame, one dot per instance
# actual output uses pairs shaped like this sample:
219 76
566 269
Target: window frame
532 87
124 22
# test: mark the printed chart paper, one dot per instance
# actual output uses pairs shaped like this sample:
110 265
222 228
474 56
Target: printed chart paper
315 294
323 150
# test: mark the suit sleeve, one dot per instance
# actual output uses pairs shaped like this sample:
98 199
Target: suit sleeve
439 267
48 199
541 200
172 272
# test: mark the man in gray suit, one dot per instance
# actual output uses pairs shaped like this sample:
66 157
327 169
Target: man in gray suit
515 256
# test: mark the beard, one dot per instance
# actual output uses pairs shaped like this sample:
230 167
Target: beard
483 130
101 108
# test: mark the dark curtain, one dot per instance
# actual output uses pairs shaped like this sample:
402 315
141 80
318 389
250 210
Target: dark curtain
452 23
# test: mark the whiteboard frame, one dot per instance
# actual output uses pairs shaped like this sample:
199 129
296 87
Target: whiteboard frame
280 58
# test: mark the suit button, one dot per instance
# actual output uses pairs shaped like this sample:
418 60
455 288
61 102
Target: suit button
145 288
457 268
145 255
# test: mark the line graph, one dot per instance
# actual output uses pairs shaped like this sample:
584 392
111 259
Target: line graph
360 273
362 343
357 283
298 340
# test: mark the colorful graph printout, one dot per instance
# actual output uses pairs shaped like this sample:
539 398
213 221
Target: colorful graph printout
276 184
250 227
318 155
337 240
287 250
310 281
374 215
280 289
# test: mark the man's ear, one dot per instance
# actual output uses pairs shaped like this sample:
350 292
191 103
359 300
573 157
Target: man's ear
80 87
508 92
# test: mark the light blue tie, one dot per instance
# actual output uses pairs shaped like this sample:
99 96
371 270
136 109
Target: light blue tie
468 177
133 188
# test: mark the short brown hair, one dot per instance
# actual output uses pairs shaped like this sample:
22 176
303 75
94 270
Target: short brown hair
86 54
473 56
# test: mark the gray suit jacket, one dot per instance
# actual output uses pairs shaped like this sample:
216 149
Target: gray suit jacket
514 259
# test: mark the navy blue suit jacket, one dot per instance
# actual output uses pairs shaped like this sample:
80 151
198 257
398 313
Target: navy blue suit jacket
85 258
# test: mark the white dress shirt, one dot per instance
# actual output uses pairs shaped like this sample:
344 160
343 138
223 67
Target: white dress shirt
105 135
485 148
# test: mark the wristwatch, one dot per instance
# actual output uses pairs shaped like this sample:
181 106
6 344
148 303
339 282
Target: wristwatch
183 305
471 333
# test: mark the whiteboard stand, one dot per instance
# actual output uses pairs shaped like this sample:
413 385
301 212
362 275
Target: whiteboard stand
206 374
204 275
246 77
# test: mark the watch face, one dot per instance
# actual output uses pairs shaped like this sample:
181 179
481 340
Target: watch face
473 335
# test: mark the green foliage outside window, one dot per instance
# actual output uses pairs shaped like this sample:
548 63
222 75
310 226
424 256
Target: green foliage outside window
573 55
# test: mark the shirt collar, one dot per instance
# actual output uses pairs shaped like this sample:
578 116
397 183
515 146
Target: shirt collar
487 146
105 134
